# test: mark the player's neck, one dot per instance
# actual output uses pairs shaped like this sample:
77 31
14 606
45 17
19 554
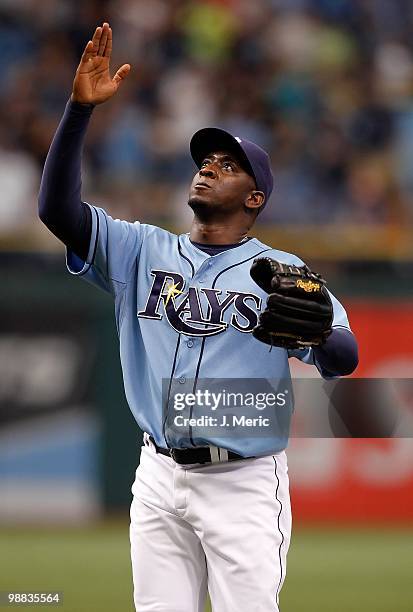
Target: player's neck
216 232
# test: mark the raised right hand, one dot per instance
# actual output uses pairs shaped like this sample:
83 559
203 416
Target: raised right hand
93 83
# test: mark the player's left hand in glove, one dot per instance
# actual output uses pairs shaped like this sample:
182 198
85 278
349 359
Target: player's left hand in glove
299 311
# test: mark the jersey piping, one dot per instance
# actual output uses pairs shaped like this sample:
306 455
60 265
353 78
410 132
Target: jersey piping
204 338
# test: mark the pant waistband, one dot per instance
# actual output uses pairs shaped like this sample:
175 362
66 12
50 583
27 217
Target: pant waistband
201 454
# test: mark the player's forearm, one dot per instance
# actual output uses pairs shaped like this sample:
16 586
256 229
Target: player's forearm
60 205
338 356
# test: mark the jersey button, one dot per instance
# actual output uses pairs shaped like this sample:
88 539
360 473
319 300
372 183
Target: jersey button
190 343
182 380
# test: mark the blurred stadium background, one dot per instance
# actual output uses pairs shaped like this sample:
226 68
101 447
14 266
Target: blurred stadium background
327 87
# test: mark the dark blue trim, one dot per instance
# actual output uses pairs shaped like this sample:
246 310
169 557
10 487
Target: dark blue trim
237 264
97 235
96 243
195 382
216 249
187 259
279 529
176 350
169 390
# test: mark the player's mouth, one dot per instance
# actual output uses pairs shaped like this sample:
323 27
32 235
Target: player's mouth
202 186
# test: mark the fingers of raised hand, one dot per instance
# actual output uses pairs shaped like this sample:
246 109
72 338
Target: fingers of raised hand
108 49
88 52
92 46
96 40
104 37
100 45
121 74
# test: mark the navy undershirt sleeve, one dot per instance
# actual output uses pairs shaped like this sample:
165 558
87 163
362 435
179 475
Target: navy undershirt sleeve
338 356
60 206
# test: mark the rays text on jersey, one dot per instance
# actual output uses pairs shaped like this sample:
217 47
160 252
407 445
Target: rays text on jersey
199 311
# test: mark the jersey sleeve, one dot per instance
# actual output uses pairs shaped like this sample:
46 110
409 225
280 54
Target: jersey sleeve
113 251
340 318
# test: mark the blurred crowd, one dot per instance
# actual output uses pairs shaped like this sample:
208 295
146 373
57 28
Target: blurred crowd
325 85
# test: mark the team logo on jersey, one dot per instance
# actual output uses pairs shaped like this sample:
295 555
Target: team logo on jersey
198 311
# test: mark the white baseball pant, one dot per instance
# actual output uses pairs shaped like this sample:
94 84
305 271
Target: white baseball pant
223 528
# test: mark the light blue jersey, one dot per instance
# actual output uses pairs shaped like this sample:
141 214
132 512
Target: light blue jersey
182 314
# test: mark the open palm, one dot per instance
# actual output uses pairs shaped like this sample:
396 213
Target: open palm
93 83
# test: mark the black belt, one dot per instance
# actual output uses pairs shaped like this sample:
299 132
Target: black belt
185 456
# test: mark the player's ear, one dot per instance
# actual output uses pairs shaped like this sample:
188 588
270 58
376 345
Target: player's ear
255 200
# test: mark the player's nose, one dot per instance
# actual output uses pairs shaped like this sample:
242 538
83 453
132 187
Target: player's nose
208 171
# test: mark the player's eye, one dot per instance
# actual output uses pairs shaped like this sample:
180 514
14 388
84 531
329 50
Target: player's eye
205 163
228 165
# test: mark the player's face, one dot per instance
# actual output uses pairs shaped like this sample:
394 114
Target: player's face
221 185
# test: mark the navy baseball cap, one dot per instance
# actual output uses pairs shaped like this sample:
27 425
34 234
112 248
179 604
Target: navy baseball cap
253 158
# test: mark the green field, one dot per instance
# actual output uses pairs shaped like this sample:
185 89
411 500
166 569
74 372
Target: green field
329 570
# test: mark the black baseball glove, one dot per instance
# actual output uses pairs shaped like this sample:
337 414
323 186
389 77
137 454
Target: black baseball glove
299 311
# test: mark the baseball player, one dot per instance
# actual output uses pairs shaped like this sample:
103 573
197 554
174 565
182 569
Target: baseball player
209 512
